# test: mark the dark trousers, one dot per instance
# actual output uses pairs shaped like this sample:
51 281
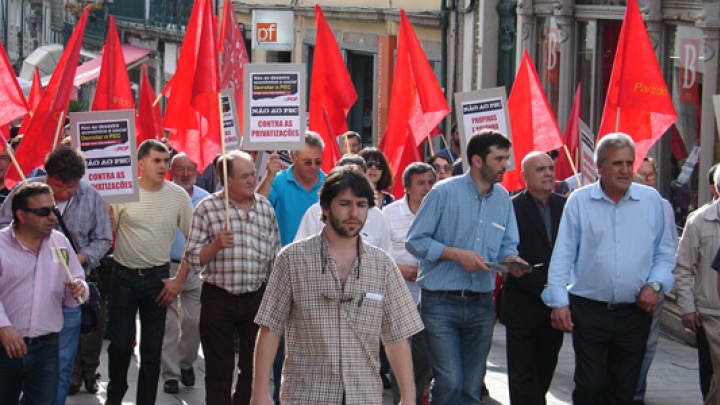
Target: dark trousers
130 293
609 349
87 358
36 374
221 315
704 361
532 355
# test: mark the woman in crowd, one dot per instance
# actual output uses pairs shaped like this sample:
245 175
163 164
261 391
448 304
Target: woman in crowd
380 175
442 164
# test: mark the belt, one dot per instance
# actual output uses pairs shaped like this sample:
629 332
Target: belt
459 293
30 340
144 272
175 261
613 306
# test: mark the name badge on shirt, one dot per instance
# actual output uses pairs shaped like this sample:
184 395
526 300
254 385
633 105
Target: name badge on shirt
63 252
374 296
498 226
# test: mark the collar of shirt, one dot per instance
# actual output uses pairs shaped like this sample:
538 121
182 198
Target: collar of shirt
470 183
291 178
597 193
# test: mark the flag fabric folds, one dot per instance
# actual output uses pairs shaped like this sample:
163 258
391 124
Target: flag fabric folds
533 125
417 103
33 100
113 90
12 99
193 112
40 135
638 102
571 139
233 56
332 92
148 118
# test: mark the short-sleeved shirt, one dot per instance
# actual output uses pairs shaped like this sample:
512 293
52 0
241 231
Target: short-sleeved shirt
290 200
332 334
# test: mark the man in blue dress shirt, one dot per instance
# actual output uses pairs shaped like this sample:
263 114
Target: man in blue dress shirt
463 223
613 257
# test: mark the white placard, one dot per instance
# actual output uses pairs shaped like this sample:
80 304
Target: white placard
482 109
587 154
274 107
231 129
107 141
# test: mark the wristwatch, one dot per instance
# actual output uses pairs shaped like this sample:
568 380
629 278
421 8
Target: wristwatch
656 286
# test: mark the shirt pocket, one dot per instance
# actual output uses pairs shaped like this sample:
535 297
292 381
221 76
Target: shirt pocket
368 316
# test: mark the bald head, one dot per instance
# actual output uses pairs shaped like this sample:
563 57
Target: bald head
538 171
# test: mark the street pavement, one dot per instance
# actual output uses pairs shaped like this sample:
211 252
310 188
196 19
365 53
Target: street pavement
673 378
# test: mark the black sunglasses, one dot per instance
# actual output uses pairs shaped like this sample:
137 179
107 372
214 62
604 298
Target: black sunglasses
41 212
377 164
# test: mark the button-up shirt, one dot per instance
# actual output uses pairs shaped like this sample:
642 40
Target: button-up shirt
455 214
31 286
608 252
246 265
332 334
178 247
399 218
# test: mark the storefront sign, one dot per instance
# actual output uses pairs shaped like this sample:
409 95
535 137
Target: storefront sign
273 30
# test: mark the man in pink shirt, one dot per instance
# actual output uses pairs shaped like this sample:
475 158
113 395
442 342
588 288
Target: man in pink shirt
33 285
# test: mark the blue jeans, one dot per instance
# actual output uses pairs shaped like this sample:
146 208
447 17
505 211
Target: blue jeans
130 293
69 336
35 374
650 350
458 332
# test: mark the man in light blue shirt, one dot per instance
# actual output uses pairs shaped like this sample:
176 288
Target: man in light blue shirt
613 258
463 223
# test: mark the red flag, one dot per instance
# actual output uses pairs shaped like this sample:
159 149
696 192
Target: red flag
531 119
193 112
638 102
113 87
12 99
233 56
5 135
33 100
417 103
40 135
332 92
148 117
563 170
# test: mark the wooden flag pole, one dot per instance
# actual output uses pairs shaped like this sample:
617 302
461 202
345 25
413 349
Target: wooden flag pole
59 128
157 100
427 131
347 142
225 163
14 161
572 166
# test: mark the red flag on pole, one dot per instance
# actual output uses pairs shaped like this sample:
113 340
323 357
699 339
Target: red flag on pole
638 102
533 125
233 56
193 111
33 100
113 87
12 99
563 170
332 92
148 117
40 135
417 103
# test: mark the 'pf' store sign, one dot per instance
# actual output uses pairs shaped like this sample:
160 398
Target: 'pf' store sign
272 30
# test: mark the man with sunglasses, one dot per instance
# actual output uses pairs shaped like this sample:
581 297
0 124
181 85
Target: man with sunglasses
33 283
82 217
336 296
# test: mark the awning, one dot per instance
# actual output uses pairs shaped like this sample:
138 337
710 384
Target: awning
91 70
45 58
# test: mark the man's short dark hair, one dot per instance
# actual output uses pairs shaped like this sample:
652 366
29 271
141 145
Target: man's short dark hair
65 163
20 198
151 144
352 159
345 178
350 135
481 142
711 174
416 168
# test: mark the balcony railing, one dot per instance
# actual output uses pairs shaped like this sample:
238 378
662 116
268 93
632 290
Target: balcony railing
170 15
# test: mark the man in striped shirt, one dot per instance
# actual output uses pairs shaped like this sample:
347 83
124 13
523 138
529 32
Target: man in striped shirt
145 230
33 283
237 249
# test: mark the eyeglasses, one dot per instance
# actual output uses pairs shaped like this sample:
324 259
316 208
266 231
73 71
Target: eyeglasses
646 176
441 168
42 211
339 298
310 162
374 163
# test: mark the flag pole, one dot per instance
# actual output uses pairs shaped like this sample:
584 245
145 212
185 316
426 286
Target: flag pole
224 160
52 237
157 100
572 165
347 142
59 127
